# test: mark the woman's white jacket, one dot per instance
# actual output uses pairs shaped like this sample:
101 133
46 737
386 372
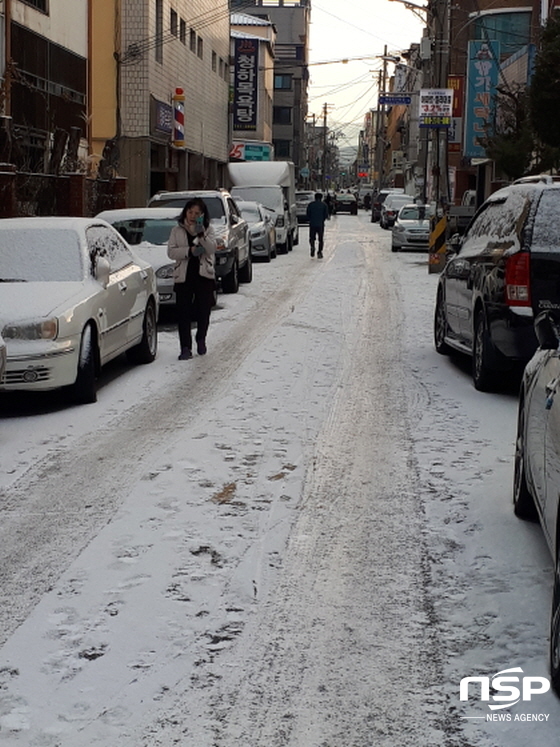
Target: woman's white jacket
178 249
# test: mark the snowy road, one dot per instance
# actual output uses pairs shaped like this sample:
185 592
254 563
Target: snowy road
304 539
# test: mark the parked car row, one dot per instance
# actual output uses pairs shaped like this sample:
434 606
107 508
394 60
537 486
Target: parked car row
498 301
95 288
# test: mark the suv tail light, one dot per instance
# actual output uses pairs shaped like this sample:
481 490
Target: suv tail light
518 282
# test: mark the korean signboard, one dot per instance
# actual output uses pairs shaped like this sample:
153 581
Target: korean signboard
482 78
436 105
245 85
455 134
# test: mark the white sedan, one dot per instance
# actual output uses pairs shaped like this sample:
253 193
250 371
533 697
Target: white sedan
73 296
147 230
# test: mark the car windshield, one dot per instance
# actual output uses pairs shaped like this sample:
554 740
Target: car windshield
45 255
214 205
419 212
145 230
270 197
251 214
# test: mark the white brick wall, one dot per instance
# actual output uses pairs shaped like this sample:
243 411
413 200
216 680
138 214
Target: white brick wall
206 103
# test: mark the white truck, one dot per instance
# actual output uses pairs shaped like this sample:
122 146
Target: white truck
273 184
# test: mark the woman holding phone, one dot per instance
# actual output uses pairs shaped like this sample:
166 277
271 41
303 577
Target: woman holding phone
192 245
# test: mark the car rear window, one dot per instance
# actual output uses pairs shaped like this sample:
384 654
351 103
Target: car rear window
546 228
48 255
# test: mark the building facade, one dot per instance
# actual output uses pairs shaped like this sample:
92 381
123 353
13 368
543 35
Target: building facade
291 21
44 84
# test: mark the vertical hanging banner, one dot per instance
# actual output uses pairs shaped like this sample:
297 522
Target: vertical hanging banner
178 137
482 79
245 84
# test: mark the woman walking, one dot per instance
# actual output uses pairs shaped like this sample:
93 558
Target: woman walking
192 245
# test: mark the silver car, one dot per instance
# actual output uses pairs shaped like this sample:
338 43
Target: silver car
262 233
147 231
411 229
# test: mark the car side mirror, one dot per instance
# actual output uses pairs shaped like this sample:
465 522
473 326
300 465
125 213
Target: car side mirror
545 331
102 271
234 220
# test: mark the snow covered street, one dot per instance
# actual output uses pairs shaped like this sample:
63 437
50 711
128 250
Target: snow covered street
303 539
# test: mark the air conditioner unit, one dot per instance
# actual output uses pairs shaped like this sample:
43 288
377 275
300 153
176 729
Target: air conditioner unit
397 159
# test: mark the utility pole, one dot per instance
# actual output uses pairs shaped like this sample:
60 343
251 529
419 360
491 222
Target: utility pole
380 126
324 165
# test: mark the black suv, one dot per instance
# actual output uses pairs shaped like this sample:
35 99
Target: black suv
500 274
233 258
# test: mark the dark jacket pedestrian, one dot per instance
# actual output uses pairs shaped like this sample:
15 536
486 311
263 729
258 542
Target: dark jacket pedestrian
317 214
192 245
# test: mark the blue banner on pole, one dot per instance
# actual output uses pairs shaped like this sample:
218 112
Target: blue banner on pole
482 79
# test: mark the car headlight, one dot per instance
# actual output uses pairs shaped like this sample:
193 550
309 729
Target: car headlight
258 235
165 272
46 329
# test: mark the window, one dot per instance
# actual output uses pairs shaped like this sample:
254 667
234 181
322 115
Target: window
226 71
192 40
200 47
282 148
159 31
283 82
221 68
511 29
38 4
282 115
103 242
183 32
173 22
214 61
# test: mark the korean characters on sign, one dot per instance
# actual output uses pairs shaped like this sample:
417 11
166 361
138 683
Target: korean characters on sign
245 86
482 79
436 107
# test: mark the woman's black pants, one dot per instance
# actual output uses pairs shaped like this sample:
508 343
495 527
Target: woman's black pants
194 300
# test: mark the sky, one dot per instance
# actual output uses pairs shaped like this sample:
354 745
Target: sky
350 89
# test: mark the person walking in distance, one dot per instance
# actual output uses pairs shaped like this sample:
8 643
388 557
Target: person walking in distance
317 214
192 245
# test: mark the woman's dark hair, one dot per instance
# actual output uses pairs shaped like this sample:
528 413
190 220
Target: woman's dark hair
195 202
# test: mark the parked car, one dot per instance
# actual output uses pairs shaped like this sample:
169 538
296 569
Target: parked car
262 233
390 208
411 229
378 200
501 273
73 296
3 356
536 482
147 231
345 202
302 201
233 258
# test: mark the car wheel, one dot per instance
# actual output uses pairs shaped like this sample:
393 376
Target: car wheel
484 377
246 272
523 502
289 243
230 282
554 645
440 326
84 390
146 350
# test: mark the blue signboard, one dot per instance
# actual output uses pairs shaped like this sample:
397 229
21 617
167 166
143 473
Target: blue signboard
482 79
394 99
